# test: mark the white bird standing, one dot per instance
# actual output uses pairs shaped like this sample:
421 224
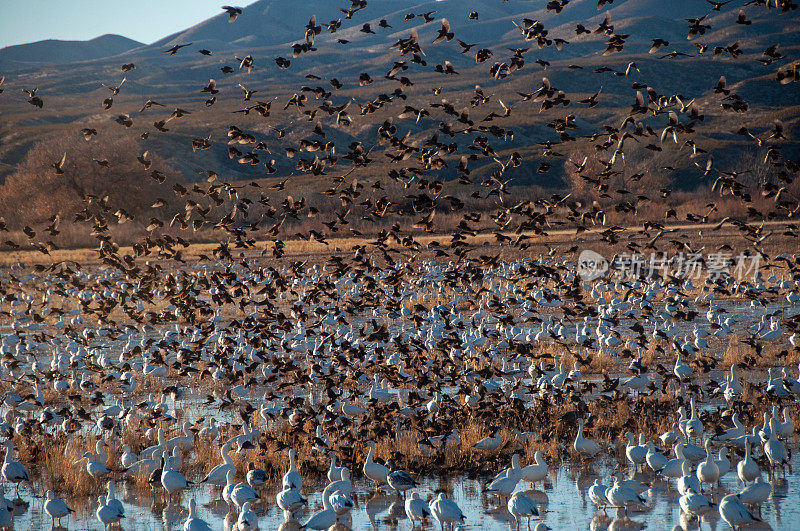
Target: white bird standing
55 508
747 468
597 493
416 509
377 472
107 514
193 522
622 496
446 511
708 471
248 520
734 512
321 519
521 506
13 471
586 448
292 477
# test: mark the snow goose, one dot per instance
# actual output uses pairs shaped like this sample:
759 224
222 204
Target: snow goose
112 499
172 480
537 471
731 433
290 501
292 477
416 509
722 462
756 493
247 521
193 522
218 475
256 477
694 428
654 460
334 472
243 493
586 448
747 469
377 472
636 454
106 514
128 458
695 504
622 496
399 480
446 511
321 519
674 467
688 480
521 506
55 508
734 512
597 493
786 428
707 471
775 449
13 471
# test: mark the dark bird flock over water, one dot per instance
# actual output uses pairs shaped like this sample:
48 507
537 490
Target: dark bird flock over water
418 350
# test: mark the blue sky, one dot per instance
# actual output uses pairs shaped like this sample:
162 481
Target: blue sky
142 20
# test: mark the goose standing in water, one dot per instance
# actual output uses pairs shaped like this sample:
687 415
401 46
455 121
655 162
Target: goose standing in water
219 474
708 471
521 506
377 472
290 501
446 511
193 522
322 519
734 512
537 471
106 514
416 510
586 448
597 493
55 508
13 471
292 478
622 496
399 480
747 468
248 520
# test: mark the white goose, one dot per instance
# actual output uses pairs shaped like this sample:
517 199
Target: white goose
193 522
322 519
292 478
521 506
416 509
446 511
56 509
747 468
377 472
734 512
586 448
13 471
219 474
708 471
536 471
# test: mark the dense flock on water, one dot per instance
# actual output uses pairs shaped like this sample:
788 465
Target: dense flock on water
433 364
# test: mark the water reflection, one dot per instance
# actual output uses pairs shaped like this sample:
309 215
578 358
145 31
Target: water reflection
563 504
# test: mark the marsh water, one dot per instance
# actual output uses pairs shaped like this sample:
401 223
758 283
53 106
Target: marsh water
563 503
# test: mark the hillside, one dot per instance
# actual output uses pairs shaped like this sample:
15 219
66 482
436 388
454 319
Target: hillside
51 51
73 93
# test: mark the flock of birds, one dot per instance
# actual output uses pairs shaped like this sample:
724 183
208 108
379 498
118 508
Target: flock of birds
441 363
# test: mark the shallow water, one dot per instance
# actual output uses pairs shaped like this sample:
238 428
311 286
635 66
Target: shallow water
563 502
